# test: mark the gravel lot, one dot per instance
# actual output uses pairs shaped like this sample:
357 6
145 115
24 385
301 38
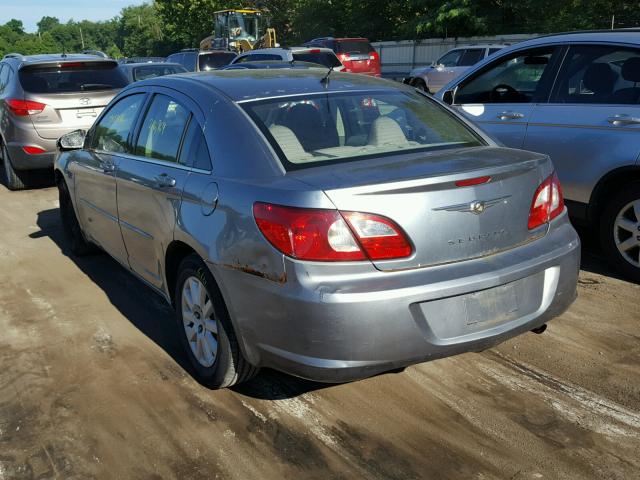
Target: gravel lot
93 384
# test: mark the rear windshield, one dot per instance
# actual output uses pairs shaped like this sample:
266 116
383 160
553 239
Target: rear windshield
211 61
316 129
328 59
354 46
72 78
151 71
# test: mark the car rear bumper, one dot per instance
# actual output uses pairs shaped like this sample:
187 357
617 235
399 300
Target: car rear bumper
22 160
341 322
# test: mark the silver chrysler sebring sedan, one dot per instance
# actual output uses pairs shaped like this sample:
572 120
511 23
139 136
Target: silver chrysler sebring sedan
328 225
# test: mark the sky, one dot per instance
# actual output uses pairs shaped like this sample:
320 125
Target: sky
31 11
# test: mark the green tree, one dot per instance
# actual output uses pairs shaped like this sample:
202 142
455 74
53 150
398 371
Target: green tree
47 23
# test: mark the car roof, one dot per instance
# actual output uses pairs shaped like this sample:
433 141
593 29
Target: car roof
58 57
621 35
150 64
322 49
255 84
274 64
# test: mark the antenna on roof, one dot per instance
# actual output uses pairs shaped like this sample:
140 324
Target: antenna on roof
325 79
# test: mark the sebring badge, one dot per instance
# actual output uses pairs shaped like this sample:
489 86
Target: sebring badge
476 207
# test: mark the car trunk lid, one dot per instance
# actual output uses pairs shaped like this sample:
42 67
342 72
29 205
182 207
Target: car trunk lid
445 222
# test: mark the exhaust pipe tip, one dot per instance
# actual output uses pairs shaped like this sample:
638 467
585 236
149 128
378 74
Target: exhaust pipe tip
540 330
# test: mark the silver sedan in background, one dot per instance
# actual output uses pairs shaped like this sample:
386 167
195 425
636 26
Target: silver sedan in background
328 225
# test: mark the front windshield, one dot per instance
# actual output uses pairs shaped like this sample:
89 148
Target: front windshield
309 130
244 26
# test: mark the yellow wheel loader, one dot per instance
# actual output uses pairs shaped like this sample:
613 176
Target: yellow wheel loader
240 30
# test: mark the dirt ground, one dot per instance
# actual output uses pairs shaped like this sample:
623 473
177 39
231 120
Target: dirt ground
93 384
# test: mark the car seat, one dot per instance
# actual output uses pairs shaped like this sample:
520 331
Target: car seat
631 73
306 122
386 131
600 79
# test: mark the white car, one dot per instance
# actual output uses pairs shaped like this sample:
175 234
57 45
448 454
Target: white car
322 56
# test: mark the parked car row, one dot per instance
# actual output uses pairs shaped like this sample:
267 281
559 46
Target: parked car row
250 199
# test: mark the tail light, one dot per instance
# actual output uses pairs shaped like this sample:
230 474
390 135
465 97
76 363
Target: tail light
33 150
330 235
374 56
22 108
547 203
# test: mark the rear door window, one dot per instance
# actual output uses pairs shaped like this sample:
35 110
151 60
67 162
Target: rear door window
470 57
4 76
162 129
211 61
72 77
494 50
328 59
599 74
112 132
194 151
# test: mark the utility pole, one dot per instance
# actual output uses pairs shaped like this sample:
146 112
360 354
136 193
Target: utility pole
81 37
613 21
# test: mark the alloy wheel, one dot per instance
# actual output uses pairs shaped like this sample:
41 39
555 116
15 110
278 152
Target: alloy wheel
200 324
626 232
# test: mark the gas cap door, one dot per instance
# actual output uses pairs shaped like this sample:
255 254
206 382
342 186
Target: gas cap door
209 199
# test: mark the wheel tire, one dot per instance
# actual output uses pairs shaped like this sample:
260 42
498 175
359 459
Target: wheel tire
70 227
619 204
14 180
229 366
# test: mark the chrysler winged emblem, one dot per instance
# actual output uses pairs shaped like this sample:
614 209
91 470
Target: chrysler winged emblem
85 101
476 207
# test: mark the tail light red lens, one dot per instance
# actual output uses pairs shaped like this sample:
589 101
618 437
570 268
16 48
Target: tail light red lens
22 108
547 204
330 235
33 150
380 238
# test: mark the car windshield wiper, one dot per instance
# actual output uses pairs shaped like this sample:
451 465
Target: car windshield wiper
95 86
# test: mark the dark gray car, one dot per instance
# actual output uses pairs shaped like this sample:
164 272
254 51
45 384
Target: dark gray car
575 97
42 97
332 228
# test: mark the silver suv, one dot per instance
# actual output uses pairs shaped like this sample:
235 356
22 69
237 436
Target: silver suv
448 67
42 97
575 97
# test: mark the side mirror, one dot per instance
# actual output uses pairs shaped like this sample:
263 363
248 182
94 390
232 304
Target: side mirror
72 140
448 97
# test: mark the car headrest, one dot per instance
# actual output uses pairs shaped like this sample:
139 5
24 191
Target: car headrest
631 69
288 143
599 78
386 131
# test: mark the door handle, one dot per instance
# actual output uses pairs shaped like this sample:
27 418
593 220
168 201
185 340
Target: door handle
510 115
108 167
622 119
165 181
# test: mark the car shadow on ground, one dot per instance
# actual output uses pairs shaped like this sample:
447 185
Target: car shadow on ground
150 314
